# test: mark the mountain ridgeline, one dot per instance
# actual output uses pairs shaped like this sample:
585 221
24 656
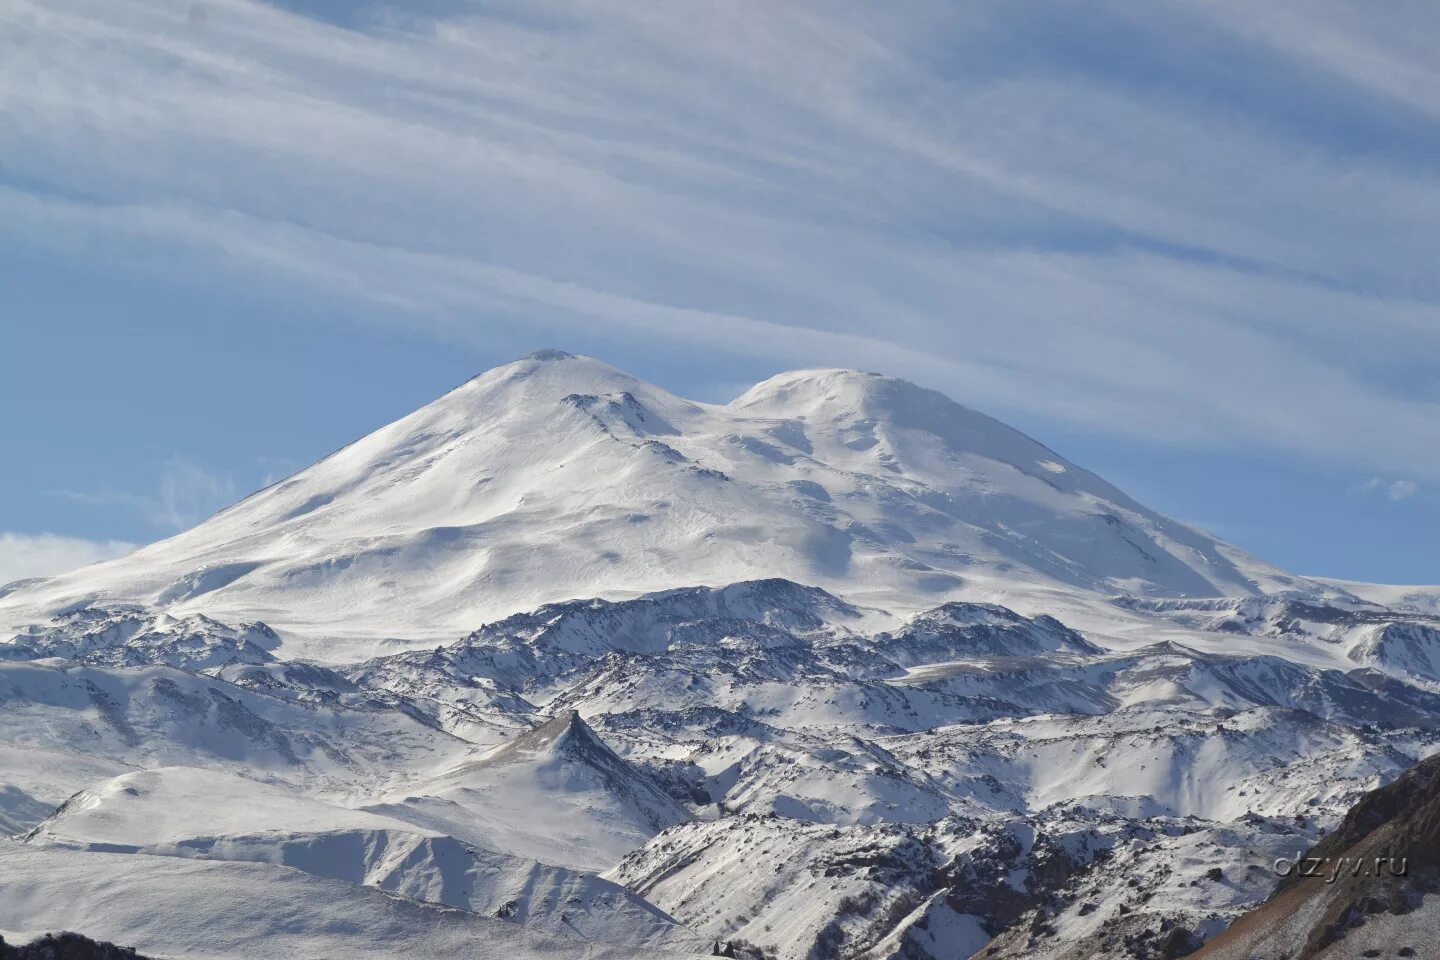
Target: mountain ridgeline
563 665
557 477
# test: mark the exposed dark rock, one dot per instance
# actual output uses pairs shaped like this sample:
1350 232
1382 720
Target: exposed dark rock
1382 858
66 946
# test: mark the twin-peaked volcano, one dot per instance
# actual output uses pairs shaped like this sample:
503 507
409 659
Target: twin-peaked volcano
837 669
558 476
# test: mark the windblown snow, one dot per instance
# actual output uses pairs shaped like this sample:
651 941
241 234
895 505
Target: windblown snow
564 665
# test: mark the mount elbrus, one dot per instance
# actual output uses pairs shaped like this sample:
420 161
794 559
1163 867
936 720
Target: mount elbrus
565 665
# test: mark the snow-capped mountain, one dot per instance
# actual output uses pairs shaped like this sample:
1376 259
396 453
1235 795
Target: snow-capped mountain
564 665
556 477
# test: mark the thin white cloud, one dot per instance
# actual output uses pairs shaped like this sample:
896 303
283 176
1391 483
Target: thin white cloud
276 469
1391 56
187 492
27 555
1392 490
190 492
810 184
1402 489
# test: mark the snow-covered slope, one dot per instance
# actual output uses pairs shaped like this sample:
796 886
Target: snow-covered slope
1409 599
558 476
160 716
223 910
131 637
564 665
202 814
1369 889
556 794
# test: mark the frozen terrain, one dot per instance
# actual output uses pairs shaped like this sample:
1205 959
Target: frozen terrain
1369 889
557 477
562 665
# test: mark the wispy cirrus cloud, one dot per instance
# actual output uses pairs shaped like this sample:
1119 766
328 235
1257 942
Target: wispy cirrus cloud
1204 225
186 493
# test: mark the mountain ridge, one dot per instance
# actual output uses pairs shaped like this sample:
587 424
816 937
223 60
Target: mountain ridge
557 476
579 667
1367 888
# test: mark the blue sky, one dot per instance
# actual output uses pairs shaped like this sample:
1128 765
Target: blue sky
1189 246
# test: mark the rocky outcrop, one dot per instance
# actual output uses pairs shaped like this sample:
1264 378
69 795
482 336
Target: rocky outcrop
66 946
